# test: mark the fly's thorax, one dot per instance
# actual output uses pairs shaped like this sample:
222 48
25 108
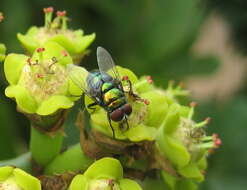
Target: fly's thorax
112 95
107 86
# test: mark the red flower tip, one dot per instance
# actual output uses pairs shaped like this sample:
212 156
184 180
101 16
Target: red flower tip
40 50
39 75
1 17
217 140
61 13
110 182
64 53
125 77
146 102
48 10
149 79
193 104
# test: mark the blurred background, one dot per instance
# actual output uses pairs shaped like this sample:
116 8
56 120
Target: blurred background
201 43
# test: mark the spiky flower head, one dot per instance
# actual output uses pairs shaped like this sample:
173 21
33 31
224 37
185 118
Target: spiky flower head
56 30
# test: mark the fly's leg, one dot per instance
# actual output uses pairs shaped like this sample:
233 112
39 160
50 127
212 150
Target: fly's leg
126 121
91 107
109 119
135 96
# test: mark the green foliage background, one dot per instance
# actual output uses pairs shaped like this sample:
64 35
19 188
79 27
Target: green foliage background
149 37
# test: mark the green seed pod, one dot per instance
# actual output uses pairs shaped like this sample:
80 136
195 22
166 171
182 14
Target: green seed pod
16 179
74 41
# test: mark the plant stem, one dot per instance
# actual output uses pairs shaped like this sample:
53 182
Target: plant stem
23 161
45 147
72 160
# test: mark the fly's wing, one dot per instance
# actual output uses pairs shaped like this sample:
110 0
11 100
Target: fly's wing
106 64
79 75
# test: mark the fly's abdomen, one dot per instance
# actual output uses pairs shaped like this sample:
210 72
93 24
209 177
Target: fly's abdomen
114 98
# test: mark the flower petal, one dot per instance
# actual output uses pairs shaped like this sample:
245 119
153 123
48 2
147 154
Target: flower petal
126 72
127 184
13 66
28 41
83 42
157 107
173 149
191 171
106 168
26 181
140 133
5 172
23 98
54 103
79 182
53 49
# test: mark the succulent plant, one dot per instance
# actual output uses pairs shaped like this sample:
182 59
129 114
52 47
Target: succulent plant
56 30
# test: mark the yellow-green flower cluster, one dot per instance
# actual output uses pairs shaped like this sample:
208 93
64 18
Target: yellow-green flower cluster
40 83
161 119
55 30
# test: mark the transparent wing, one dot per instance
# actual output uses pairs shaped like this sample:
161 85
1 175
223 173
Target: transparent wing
79 75
106 63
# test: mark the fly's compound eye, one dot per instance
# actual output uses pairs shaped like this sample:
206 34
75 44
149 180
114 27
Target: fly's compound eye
127 109
117 115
